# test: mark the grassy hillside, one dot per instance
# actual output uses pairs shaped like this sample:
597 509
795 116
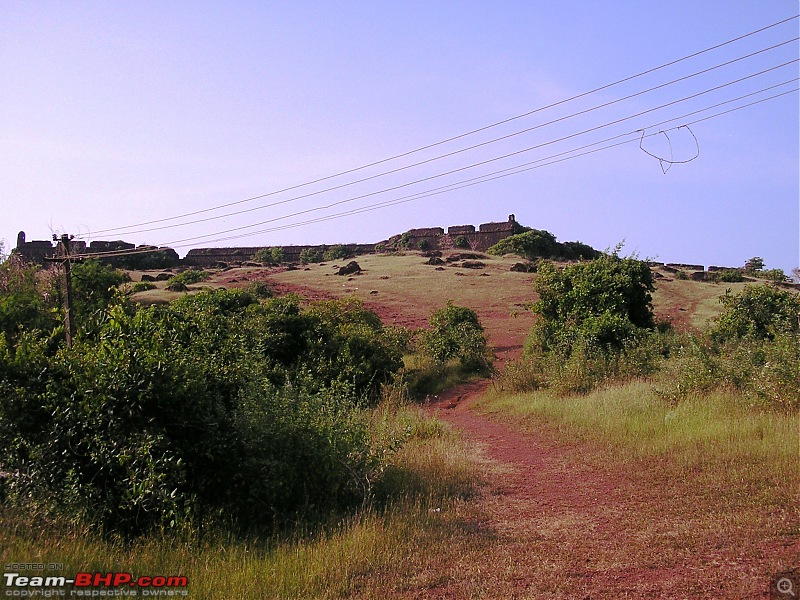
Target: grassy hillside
404 290
625 491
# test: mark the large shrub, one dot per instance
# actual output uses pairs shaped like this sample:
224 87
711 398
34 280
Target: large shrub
537 243
217 407
603 302
456 333
530 244
759 311
94 284
595 322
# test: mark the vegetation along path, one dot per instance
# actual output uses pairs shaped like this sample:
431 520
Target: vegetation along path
572 522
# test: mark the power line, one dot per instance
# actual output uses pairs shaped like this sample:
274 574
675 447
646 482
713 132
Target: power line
492 176
453 138
539 163
480 163
295 198
483 179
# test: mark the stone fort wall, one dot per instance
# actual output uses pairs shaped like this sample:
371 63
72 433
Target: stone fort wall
485 236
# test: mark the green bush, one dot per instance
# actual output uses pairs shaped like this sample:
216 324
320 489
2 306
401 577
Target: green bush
94 284
310 255
456 333
531 244
759 311
537 243
259 289
727 276
357 350
762 370
595 323
776 275
189 277
337 252
461 242
142 286
273 255
577 251
216 408
606 301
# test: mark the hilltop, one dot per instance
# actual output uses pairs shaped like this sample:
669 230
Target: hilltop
404 288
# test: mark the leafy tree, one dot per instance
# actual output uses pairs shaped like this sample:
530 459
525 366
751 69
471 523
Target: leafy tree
461 242
754 265
605 301
758 311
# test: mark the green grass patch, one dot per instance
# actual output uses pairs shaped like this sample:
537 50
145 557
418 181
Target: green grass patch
425 376
718 432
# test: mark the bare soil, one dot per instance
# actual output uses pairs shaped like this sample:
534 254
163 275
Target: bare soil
570 521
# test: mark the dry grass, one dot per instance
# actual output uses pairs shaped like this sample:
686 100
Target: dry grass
406 291
388 549
690 304
656 500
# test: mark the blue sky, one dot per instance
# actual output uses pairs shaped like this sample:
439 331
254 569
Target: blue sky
116 114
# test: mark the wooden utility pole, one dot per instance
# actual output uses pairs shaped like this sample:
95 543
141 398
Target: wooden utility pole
64 259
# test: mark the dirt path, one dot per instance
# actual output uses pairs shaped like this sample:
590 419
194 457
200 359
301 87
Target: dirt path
564 519
568 524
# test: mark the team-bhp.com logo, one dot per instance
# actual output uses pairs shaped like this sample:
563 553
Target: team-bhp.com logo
93 585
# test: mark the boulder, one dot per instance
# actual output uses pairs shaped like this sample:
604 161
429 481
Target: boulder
349 269
524 267
473 264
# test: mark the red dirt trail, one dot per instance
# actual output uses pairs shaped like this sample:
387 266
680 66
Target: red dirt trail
570 525
569 519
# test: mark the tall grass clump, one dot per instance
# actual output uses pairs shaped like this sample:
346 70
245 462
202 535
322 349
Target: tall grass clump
452 350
